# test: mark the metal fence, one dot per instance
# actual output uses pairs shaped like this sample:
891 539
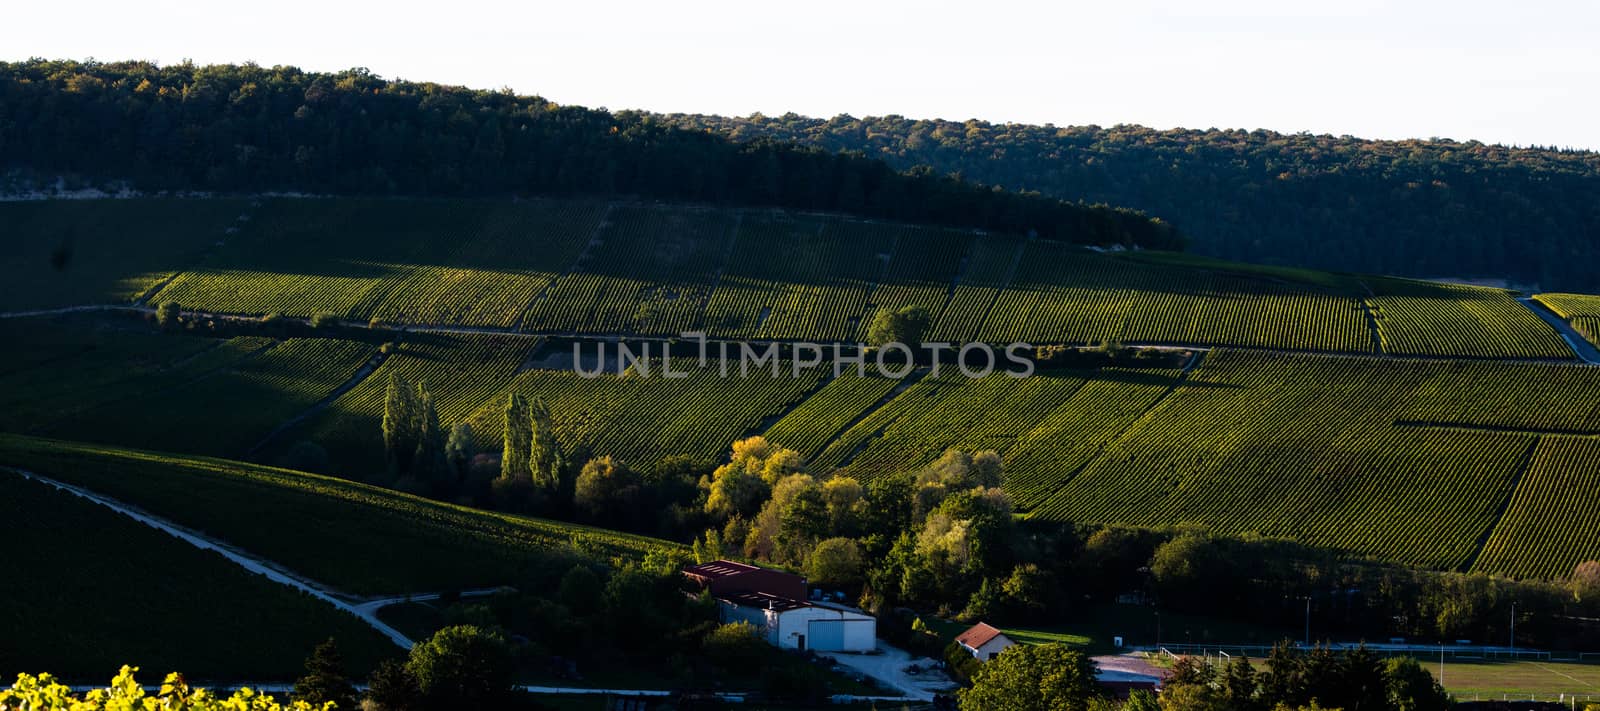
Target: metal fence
1449 652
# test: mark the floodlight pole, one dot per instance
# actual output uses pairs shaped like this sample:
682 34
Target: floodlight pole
1513 629
1308 621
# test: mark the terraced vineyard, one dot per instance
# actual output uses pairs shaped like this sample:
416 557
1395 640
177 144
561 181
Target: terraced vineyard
113 565
1046 427
622 268
1310 448
1580 310
1066 294
640 418
1550 517
179 412
798 278
809 427
1424 318
648 271
922 271
415 261
986 270
360 539
75 366
461 372
72 252
1408 459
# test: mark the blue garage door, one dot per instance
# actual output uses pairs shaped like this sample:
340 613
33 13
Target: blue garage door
826 635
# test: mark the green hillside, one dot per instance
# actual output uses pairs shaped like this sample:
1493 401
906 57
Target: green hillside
578 266
357 538
96 590
1408 421
1405 460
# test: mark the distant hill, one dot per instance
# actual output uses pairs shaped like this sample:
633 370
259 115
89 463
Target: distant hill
1429 209
240 129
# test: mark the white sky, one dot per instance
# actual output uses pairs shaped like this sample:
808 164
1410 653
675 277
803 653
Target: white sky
1524 72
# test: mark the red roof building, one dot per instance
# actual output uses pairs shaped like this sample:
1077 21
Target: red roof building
726 577
983 642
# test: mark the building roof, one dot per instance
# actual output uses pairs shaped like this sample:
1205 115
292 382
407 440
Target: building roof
979 635
763 601
719 569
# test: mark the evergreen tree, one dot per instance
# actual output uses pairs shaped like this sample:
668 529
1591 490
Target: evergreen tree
546 462
1239 685
400 419
326 679
392 687
517 439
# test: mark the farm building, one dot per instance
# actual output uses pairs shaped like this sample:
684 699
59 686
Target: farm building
724 577
774 602
984 642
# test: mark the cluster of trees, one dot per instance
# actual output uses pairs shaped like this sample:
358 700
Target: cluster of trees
1426 208
1354 680
1052 676
417 457
240 128
533 466
592 617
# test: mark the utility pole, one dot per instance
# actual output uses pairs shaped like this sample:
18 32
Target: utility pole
1513 629
1308 621
1441 664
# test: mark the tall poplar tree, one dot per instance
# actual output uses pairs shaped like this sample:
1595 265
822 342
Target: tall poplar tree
400 416
546 462
430 464
518 438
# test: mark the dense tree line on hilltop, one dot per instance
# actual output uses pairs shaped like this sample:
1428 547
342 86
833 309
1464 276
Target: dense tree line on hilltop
249 128
1423 208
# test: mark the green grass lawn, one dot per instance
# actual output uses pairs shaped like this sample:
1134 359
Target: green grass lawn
1097 628
1488 679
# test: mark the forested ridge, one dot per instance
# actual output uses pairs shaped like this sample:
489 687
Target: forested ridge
1420 208
243 128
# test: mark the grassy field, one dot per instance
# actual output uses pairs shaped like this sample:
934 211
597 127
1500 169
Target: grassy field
140 597
1493 680
578 265
357 538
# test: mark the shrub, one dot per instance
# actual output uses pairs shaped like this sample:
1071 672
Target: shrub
324 319
462 667
735 646
168 315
